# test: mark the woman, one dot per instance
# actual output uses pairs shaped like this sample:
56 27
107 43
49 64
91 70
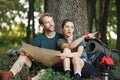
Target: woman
73 51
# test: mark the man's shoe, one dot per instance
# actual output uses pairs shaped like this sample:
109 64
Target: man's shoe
77 77
6 75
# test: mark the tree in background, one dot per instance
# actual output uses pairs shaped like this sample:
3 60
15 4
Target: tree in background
102 18
30 18
34 6
98 10
73 9
118 24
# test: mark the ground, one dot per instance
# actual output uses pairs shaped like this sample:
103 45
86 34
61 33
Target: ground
6 63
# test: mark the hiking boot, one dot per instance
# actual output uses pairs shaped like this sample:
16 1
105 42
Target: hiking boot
77 77
6 75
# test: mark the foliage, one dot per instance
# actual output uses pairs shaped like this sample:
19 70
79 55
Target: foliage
111 24
13 21
9 10
52 75
38 5
12 38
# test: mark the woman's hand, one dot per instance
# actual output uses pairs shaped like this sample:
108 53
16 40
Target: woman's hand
90 35
62 56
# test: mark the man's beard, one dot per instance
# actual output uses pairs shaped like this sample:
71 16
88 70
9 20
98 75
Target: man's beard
50 30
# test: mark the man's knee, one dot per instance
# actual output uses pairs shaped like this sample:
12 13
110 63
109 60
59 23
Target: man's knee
25 60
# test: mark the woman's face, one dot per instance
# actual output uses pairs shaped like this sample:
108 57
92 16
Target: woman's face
68 29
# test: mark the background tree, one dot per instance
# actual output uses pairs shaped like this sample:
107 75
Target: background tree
73 9
91 10
34 6
30 18
104 19
118 24
99 13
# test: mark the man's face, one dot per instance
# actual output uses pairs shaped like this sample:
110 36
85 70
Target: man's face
68 29
48 24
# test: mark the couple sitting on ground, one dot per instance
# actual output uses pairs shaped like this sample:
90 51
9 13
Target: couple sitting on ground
73 54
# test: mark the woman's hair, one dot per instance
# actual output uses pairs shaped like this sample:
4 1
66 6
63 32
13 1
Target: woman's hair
65 21
42 16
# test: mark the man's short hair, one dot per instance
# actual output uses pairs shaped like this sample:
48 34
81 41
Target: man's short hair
42 16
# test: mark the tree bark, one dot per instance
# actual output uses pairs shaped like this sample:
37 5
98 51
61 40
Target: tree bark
73 9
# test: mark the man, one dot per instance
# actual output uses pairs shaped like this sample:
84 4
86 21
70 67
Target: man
74 53
48 40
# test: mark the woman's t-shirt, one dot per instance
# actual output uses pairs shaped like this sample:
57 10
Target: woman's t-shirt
63 40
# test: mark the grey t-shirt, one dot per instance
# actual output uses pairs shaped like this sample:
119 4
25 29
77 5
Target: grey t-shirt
63 40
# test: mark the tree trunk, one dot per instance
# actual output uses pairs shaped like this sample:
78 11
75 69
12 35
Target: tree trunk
91 13
30 17
118 24
104 20
28 30
73 9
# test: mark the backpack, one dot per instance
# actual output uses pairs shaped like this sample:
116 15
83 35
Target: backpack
100 55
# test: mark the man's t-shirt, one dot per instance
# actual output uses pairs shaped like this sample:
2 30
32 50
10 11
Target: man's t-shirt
43 42
63 40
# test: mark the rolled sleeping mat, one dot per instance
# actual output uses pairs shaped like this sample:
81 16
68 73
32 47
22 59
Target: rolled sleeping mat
115 56
95 47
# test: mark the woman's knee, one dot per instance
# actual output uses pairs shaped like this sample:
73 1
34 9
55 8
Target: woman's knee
78 60
67 50
74 59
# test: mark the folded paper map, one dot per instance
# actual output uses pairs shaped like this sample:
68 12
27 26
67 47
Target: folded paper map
45 56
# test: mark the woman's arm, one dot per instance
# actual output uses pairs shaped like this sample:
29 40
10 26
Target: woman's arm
73 54
76 54
76 42
73 44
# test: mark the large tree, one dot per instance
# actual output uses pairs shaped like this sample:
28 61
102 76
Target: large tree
73 9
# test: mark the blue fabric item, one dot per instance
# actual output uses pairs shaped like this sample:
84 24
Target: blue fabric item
43 42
